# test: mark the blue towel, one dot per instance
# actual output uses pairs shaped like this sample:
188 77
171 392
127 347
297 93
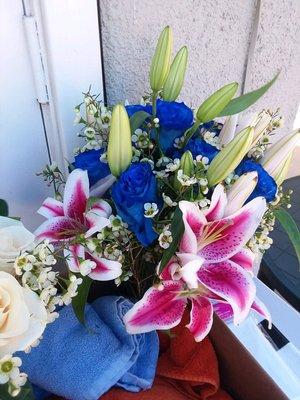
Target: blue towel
81 364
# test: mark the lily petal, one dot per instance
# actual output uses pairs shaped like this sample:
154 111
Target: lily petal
189 272
232 283
171 271
102 208
245 259
102 186
201 318
261 309
158 309
106 270
95 223
194 221
76 194
229 235
223 310
56 229
74 255
51 208
217 205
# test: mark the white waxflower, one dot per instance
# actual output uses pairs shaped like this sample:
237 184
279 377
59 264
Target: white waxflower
161 174
169 201
86 267
103 157
151 209
44 251
204 203
163 161
185 180
24 263
89 133
203 181
165 238
173 166
141 138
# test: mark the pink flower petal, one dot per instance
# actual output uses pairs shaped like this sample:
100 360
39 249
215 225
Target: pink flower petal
95 223
51 208
261 309
102 208
224 238
244 258
106 270
223 310
231 282
171 271
158 309
217 205
201 318
74 255
57 228
76 194
194 221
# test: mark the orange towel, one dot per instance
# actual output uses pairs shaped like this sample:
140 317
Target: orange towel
186 370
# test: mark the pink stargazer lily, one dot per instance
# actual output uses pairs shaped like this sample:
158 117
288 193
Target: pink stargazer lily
212 265
67 219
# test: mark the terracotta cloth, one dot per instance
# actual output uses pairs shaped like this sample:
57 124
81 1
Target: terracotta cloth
186 370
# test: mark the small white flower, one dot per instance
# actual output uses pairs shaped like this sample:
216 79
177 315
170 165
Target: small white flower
103 157
185 180
89 133
169 201
165 238
161 174
173 166
156 120
151 209
24 263
86 267
163 161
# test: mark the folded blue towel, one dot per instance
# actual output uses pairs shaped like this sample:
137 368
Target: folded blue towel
81 364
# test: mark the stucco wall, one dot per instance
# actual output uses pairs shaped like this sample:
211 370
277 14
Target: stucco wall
217 33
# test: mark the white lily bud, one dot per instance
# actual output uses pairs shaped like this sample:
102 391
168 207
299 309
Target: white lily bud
259 122
240 191
276 158
229 128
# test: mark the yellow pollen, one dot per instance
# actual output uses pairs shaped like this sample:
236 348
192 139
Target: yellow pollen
213 232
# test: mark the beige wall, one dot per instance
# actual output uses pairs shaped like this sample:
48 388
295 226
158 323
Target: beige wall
217 33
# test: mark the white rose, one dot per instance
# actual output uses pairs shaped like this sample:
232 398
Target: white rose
14 238
23 316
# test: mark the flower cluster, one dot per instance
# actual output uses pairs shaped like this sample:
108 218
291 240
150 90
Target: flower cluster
170 202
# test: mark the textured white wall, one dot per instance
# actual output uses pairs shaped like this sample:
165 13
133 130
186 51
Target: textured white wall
217 33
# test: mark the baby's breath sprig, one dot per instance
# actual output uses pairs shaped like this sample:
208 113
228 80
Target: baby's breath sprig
54 177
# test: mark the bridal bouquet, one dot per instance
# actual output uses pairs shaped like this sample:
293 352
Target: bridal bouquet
172 202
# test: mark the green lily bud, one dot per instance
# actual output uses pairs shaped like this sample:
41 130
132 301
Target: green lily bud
187 167
283 170
119 149
161 60
229 157
187 163
215 103
175 79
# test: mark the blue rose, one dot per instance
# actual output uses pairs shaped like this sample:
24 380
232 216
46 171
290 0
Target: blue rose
135 187
199 146
90 161
266 185
131 109
174 119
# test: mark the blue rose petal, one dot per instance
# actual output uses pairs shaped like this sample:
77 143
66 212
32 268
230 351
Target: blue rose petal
266 185
90 161
199 146
135 187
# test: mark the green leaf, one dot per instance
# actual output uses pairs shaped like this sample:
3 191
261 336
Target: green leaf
177 229
80 300
137 119
25 394
3 208
240 103
291 228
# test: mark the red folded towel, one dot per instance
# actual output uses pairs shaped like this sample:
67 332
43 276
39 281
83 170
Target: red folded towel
186 370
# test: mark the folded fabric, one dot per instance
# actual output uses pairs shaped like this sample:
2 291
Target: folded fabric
186 370
80 363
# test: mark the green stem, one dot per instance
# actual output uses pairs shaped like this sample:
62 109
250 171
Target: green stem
190 132
154 109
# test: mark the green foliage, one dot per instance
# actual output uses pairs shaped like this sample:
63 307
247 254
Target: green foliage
26 393
80 300
177 229
3 208
291 228
240 103
137 120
